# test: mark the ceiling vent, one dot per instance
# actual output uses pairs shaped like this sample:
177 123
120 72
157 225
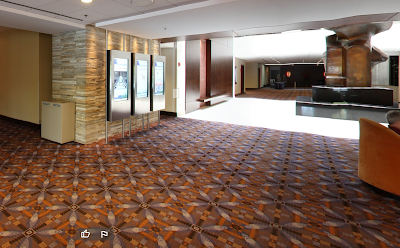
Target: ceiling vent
142 3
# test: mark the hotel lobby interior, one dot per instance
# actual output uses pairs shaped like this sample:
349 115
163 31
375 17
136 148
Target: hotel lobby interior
231 161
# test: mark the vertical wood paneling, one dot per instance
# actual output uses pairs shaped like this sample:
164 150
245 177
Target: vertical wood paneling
221 67
192 75
209 78
242 87
203 70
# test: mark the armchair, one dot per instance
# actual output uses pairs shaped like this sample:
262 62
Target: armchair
379 156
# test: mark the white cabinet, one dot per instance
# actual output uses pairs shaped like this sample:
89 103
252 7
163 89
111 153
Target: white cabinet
58 121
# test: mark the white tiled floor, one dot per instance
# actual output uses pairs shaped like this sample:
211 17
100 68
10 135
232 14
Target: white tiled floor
274 114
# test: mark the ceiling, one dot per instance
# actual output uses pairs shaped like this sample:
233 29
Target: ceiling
249 17
89 13
171 20
303 46
184 18
290 47
33 14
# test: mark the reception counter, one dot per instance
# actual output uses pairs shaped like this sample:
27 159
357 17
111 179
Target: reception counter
362 95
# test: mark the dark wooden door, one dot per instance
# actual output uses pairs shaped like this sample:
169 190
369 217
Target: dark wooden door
242 78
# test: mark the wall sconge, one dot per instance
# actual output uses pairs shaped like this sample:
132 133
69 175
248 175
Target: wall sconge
288 74
86 1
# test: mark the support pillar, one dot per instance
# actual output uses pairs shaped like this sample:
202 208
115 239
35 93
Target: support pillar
350 55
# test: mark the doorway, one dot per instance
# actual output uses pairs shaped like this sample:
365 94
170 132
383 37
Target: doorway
242 78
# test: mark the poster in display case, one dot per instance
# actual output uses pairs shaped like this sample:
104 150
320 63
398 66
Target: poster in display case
141 83
118 85
142 67
120 79
157 83
158 78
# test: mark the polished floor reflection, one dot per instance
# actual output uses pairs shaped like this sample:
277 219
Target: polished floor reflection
306 107
281 115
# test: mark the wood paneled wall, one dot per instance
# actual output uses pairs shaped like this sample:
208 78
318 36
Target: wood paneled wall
203 70
209 70
304 75
192 75
220 67
79 75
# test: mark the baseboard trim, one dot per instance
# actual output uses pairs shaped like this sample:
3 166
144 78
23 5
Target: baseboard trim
20 122
169 113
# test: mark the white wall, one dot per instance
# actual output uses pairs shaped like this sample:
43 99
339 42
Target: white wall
181 77
238 65
263 75
251 75
175 76
170 78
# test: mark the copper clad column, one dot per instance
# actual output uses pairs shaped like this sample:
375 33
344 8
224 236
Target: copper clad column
357 56
335 62
358 65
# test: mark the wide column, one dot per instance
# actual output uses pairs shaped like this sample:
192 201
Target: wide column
335 70
350 55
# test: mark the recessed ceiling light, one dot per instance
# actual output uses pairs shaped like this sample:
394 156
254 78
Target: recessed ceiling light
86 1
142 2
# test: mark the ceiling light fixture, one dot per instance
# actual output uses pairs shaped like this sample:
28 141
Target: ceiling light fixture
86 1
142 3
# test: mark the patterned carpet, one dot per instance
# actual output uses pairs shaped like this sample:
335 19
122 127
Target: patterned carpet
273 94
190 183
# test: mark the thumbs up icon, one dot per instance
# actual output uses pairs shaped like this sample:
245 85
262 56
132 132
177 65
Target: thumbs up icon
85 234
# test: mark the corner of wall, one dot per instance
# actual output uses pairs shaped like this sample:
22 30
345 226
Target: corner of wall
19 69
45 70
181 77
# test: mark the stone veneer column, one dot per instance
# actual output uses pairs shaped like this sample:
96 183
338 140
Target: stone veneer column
79 75
69 75
95 87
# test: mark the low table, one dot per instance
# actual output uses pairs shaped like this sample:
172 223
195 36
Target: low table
279 85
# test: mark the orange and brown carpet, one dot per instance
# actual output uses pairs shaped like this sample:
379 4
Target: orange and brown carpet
190 183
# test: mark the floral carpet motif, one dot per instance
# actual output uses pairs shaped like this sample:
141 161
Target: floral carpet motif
190 183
